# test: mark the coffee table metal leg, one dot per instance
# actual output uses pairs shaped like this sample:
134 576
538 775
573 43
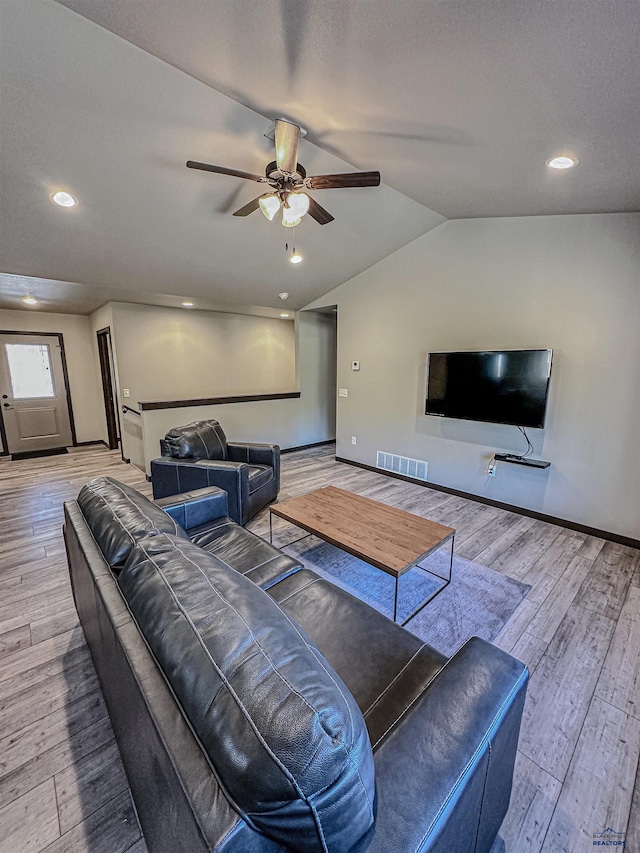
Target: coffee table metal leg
395 600
446 583
286 544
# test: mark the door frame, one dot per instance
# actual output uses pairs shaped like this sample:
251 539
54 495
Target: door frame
105 356
65 374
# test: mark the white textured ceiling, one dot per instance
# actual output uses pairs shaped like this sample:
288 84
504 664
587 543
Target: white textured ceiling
457 102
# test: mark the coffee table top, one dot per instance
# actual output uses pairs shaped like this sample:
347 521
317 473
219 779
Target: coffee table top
390 539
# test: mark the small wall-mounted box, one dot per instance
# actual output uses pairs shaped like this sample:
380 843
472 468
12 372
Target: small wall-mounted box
519 460
355 365
342 392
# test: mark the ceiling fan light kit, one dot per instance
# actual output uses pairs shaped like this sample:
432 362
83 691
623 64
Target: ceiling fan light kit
298 202
269 205
289 219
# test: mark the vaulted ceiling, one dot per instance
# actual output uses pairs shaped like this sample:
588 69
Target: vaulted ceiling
457 102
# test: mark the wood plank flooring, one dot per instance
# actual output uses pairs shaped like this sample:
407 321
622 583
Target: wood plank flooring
62 786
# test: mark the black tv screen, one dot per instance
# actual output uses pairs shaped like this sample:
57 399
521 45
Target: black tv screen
507 387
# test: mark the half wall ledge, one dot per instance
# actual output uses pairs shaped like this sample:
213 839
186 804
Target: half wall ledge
215 401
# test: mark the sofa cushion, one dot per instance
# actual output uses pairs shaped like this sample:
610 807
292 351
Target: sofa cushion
197 440
283 734
119 515
245 552
386 673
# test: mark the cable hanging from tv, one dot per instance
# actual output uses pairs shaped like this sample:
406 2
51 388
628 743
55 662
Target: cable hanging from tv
517 457
529 449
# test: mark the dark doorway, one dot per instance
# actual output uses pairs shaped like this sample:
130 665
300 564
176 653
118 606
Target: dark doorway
106 371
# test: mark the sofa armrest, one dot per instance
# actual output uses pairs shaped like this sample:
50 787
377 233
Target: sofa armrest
254 454
233 477
175 476
444 769
257 454
195 508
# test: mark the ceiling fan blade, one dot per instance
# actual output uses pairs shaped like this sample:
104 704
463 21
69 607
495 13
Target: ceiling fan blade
319 213
221 170
249 208
348 179
287 137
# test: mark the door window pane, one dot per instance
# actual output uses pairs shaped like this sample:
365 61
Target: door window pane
30 370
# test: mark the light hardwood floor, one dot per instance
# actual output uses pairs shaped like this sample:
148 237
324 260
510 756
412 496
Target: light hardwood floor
62 786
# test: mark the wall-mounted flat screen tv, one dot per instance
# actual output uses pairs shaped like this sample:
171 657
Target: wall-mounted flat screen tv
504 387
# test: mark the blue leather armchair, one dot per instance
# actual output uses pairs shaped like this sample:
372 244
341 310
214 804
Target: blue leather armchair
198 455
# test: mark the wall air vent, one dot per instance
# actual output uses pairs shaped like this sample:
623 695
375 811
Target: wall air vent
415 468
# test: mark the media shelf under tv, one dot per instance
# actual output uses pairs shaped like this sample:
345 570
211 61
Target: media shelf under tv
518 460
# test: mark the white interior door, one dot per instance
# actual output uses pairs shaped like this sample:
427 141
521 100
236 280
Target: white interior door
34 401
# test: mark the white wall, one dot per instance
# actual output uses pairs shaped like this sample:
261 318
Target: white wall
571 283
175 354
81 356
165 354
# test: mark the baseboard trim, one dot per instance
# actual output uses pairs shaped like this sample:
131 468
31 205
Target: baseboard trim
540 516
76 444
307 446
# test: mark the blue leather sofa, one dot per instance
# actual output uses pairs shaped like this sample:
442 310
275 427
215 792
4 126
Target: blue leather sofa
257 707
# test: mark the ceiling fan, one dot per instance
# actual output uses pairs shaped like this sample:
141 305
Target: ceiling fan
287 181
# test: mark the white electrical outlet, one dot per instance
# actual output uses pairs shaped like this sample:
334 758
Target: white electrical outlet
354 440
343 392
125 392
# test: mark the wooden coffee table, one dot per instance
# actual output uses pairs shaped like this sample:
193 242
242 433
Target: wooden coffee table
390 539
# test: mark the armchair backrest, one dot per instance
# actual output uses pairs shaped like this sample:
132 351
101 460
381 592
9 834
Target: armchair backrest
197 440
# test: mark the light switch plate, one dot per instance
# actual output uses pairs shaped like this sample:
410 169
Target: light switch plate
355 365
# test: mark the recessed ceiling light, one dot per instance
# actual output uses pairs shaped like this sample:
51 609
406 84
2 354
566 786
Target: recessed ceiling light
295 259
29 300
63 199
562 162
285 316
187 304
284 295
